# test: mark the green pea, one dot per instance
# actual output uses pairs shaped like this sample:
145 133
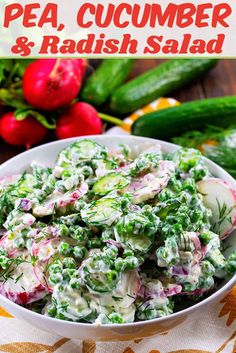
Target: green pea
120 264
107 234
69 262
207 282
64 248
112 276
63 230
55 278
4 262
128 252
11 236
188 287
205 238
207 268
65 174
231 263
87 171
178 228
112 252
189 185
147 209
131 262
74 283
79 252
68 273
199 174
61 186
94 243
164 195
52 311
55 268
115 318
79 235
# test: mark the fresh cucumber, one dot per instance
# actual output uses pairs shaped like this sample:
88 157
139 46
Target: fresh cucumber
79 151
158 82
108 76
196 115
109 182
102 212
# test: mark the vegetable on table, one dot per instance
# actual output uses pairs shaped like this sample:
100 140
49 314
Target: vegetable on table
26 132
158 82
80 119
53 83
108 76
167 123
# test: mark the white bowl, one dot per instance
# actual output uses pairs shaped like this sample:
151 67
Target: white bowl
46 154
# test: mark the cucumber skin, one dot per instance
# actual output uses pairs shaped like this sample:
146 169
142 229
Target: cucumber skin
108 76
158 82
196 115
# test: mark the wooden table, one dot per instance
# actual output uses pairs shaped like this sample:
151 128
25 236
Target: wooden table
221 81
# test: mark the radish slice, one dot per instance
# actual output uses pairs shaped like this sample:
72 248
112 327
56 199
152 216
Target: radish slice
8 180
43 252
8 244
23 287
221 200
148 186
45 249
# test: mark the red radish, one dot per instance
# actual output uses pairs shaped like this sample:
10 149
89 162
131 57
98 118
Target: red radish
80 119
26 132
50 84
220 198
23 287
148 186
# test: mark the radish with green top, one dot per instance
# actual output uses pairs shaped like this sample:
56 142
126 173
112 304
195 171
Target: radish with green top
26 132
50 84
81 119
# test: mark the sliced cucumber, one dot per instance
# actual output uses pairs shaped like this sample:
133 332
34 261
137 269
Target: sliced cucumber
109 182
81 151
102 212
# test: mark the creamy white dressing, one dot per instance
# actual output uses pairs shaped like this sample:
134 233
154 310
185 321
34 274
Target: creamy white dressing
109 253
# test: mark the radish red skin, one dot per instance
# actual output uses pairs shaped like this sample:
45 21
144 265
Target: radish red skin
81 119
50 84
23 298
27 289
26 132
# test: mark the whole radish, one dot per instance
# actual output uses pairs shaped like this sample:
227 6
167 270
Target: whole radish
80 119
50 84
26 132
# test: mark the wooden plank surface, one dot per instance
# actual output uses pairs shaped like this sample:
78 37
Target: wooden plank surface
221 81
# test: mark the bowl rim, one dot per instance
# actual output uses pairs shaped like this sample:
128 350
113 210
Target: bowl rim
218 293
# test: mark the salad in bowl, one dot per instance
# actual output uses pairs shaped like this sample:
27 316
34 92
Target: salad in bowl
112 234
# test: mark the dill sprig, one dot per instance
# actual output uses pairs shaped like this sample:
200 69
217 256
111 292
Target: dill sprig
8 196
224 156
213 144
